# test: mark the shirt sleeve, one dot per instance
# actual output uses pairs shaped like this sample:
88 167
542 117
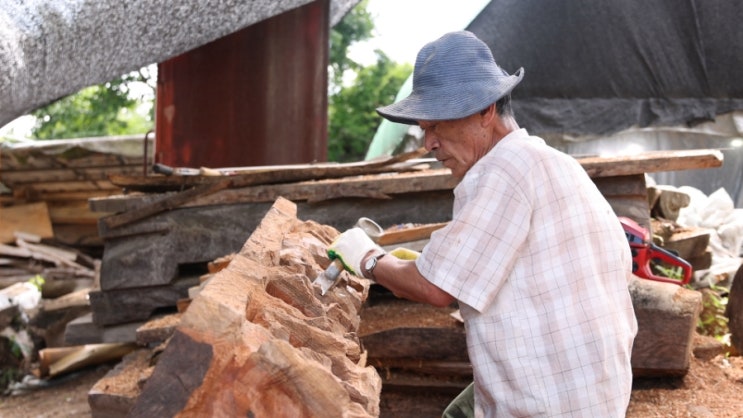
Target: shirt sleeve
472 256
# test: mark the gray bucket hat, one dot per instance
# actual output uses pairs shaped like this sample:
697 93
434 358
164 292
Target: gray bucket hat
455 76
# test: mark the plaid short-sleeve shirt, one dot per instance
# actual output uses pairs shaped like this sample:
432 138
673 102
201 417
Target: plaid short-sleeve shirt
540 266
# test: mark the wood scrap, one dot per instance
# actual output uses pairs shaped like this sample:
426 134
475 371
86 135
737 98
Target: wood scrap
59 270
158 329
114 395
31 218
75 299
667 316
49 326
687 242
701 261
276 347
668 202
60 361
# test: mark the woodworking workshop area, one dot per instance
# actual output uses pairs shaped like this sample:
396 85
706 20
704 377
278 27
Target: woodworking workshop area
193 295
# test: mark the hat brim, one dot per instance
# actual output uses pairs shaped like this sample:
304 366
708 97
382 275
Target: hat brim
452 102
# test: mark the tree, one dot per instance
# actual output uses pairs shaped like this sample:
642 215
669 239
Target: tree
356 26
352 111
101 110
352 118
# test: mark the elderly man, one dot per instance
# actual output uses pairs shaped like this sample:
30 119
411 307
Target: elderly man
534 255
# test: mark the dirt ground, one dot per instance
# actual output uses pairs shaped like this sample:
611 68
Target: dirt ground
711 389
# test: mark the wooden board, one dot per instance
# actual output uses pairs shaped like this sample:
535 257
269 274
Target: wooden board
38 190
688 243
31 218
114 307
419 331
248 176
15 161
74 212
627 195
381 187
82 330
66 174
651 162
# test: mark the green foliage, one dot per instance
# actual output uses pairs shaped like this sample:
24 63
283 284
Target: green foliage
38 281
356 26
352 111
102 110
11 357
9 375
712 320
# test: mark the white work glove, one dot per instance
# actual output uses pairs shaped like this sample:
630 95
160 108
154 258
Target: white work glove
351 247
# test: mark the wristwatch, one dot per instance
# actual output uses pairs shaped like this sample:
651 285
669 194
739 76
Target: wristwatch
370 264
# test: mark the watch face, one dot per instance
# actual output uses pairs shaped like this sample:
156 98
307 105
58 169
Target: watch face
371 263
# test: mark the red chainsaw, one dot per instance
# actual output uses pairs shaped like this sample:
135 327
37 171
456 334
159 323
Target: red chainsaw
652 262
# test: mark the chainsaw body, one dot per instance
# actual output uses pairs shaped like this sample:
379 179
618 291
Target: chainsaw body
652 262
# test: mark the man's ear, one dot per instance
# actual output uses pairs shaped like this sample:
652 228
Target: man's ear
488 114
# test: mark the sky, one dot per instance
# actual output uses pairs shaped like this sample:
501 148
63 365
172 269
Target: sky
402 27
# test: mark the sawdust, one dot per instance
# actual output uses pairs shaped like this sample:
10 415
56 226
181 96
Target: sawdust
711 388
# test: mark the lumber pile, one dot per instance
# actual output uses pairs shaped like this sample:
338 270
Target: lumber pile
150 259
158 245
258 339
60 269
64 174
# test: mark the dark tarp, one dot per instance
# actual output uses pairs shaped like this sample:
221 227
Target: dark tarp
597 67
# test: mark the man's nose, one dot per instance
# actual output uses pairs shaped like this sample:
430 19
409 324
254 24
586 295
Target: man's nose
430 141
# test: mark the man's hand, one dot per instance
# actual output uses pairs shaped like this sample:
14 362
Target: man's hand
352 247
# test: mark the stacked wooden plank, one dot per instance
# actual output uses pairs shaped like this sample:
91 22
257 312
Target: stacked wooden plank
150 263
61 270
157 244
64 174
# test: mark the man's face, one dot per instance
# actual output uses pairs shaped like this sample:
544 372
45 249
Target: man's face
457 143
